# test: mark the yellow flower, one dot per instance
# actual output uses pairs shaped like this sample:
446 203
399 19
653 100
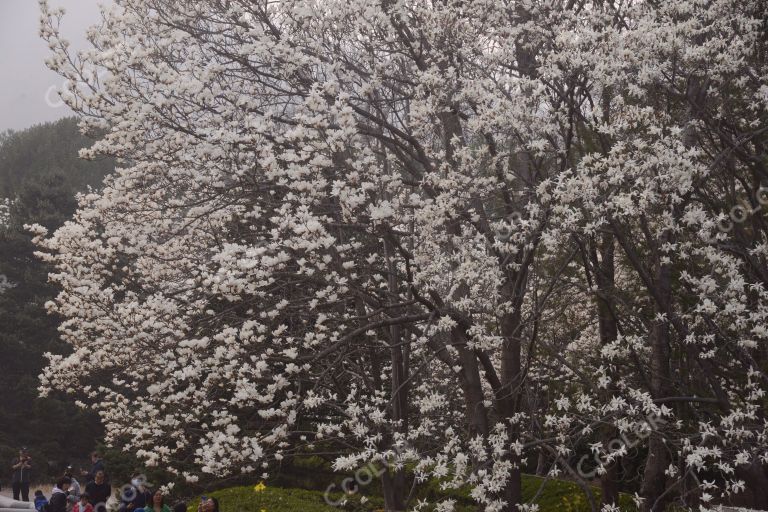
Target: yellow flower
260 487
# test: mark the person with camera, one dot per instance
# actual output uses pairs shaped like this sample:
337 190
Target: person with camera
22 469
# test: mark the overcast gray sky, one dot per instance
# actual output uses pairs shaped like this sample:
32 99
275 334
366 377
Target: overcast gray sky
24 79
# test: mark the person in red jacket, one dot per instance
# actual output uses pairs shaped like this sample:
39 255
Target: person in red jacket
84 505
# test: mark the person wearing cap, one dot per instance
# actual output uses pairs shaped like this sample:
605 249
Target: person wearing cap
22 468
74 486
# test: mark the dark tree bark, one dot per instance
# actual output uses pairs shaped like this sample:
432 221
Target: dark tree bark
654 479
604 275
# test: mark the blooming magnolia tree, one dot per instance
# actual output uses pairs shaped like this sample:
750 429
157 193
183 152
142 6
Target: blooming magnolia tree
478 238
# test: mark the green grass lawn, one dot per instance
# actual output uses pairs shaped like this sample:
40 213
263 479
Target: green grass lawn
557 496
271 499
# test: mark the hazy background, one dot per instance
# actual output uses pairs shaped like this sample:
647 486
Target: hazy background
24 79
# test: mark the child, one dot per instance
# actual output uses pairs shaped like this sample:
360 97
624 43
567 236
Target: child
84 505
40 500
71 501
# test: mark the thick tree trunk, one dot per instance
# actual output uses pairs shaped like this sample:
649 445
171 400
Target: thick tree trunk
605 280
393 489
514 491
541 463
654 479
394 480
509 395
477 414
609 485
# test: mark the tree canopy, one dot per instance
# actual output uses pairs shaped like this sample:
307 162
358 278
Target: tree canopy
467 238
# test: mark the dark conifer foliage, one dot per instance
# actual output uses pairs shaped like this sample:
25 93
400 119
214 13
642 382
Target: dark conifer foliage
40 173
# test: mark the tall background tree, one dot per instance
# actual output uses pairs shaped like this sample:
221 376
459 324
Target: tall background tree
40 175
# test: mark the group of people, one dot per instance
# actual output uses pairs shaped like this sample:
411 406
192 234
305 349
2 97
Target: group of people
69 496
